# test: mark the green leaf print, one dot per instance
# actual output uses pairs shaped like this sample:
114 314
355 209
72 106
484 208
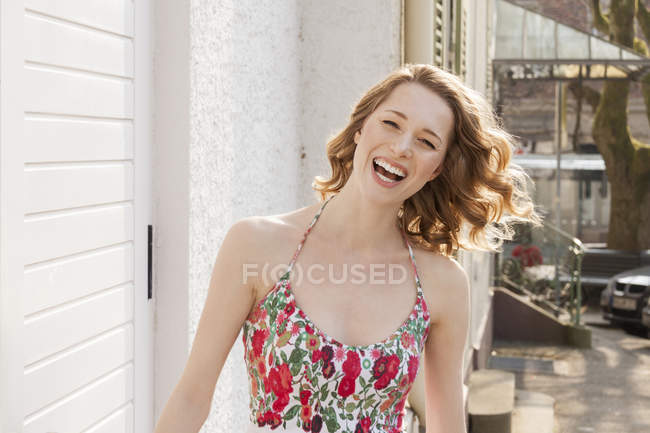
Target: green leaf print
285 359
296 355
284 339
350 407
369 403
329 416
292 412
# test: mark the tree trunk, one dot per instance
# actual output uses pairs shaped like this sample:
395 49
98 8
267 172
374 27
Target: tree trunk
627 160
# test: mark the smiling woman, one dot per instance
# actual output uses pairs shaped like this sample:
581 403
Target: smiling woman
421 157
476 185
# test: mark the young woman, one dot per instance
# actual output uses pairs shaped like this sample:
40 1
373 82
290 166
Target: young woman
334 342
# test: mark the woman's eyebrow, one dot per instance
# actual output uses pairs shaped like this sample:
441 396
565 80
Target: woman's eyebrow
403 116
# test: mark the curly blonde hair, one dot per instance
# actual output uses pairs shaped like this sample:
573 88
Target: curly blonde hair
473 202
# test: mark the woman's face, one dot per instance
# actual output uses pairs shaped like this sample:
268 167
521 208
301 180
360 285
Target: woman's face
410 131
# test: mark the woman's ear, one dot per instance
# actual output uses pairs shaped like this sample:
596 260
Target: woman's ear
356 136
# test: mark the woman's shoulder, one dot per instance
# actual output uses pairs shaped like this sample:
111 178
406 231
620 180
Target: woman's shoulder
264 235
444 282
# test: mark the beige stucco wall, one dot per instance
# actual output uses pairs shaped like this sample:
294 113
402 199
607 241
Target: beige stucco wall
244 88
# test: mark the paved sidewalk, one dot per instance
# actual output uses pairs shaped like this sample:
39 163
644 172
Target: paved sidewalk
605 389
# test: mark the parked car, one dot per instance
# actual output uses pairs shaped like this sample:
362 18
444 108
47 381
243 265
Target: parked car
645 317
625 299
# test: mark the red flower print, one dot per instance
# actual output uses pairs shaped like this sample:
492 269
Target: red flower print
290 308
259 337
270 358
260 419
301 314
309 330
312 342
273 419
305 413
328 369
405 340
316 423
403 383
261 367
267 385
316 355
352 364
339 353
384 370
346 386
281 402
363 426
281 318
414 361
295 329
280 380
306 426
376 353
304 396
411 340
328 353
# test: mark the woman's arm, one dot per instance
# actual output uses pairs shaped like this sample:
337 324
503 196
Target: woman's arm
444 354
226 307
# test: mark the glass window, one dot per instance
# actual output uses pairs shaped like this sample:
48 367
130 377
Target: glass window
603 50
540 38
509 34
571 44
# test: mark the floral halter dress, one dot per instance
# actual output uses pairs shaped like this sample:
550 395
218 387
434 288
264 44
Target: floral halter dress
300 376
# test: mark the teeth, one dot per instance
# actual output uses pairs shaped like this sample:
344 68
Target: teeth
390 168
384 178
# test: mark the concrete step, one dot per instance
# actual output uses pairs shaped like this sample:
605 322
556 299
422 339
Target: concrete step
533 412
527 364
490 401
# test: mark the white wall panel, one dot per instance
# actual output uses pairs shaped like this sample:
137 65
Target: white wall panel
61 187
59 43
50 139
86 406
84 216
121 421
53 379
77 93
113 16
57 235
60 281
63 327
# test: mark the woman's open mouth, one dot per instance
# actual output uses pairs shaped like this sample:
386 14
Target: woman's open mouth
386 173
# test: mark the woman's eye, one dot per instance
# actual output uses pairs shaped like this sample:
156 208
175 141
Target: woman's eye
429 143
390 122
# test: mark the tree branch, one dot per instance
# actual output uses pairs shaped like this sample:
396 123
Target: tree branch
641 47
579 91
645 91
601 22
643 18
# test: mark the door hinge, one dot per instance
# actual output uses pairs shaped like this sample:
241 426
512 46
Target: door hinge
149 254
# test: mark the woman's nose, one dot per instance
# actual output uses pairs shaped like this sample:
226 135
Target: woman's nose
402 145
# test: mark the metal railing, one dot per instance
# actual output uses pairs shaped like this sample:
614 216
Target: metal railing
545 263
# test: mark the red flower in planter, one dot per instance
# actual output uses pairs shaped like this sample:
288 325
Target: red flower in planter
528 255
